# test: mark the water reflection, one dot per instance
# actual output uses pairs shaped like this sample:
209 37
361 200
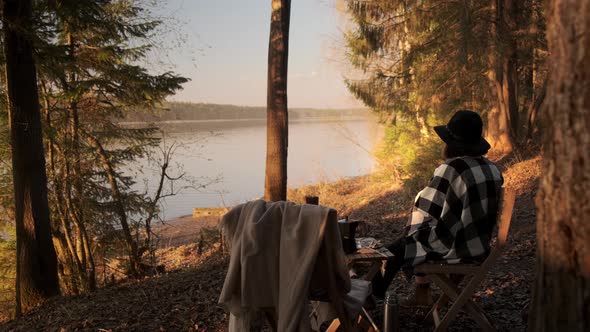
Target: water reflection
234 152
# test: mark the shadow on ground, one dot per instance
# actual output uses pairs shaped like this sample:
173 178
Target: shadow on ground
185 300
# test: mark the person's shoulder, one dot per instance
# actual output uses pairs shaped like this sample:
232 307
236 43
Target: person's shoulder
448 169
466 167
459 164
489 162
466 163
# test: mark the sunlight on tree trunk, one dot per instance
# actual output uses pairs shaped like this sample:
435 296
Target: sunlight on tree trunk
275 184
503 118
562 290
498 131
36 258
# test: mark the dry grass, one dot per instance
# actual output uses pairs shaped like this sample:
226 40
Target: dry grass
191 254
523 176
346 195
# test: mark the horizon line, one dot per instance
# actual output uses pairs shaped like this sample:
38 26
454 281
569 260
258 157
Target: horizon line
264 106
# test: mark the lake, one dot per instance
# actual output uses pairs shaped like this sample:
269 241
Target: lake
231 154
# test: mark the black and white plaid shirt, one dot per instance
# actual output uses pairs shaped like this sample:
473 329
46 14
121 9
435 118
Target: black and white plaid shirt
454 216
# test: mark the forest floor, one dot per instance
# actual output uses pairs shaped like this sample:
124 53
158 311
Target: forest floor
185 297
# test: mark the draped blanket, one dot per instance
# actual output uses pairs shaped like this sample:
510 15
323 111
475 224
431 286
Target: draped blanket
274 248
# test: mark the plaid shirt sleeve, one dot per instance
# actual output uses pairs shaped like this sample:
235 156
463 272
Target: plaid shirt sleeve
450 218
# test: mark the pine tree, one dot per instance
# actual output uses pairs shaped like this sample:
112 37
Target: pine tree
422 60
89 57
90 79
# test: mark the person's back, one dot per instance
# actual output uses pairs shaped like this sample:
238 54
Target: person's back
453 217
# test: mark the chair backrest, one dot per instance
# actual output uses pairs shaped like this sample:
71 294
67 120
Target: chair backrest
505 207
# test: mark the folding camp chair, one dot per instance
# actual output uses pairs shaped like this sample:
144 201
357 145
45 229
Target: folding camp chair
448 276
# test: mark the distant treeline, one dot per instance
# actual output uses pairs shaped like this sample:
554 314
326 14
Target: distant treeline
174 111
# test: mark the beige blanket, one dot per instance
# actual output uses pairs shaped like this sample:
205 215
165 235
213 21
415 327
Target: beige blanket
274 247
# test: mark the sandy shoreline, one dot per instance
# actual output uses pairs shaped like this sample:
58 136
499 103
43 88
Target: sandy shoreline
183 230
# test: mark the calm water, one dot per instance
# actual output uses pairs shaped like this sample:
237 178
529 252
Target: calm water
232 155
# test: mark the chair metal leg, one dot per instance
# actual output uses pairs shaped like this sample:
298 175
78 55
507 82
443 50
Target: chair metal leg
460 299
476 312
472 308
334 326
366 315
363 316
372 272
441 301
436 317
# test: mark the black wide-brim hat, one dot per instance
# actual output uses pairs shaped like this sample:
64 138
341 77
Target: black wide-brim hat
464 131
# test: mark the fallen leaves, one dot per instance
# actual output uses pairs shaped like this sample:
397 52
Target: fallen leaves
186 300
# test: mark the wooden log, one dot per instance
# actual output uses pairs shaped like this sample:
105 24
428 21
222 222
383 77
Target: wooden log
209 212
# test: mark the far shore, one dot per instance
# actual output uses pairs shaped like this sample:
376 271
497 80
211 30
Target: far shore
307 119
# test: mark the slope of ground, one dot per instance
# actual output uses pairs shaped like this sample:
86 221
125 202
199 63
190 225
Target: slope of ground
185 298
506 292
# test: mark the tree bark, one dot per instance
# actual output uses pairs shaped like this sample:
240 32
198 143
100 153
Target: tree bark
275 185
510 65
68 274
36 258
562 288
503 119
533 112
70 270
77 206
498 131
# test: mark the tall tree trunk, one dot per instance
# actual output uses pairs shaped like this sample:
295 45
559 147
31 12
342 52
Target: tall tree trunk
539 74
69 265
77 206
503 119
275 185
510 65
66 267
562 288
533 112
498 131
36 259
91 264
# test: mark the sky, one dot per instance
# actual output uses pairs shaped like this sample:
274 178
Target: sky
222 46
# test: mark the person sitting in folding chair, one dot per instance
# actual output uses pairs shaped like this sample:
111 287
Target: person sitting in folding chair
453 217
